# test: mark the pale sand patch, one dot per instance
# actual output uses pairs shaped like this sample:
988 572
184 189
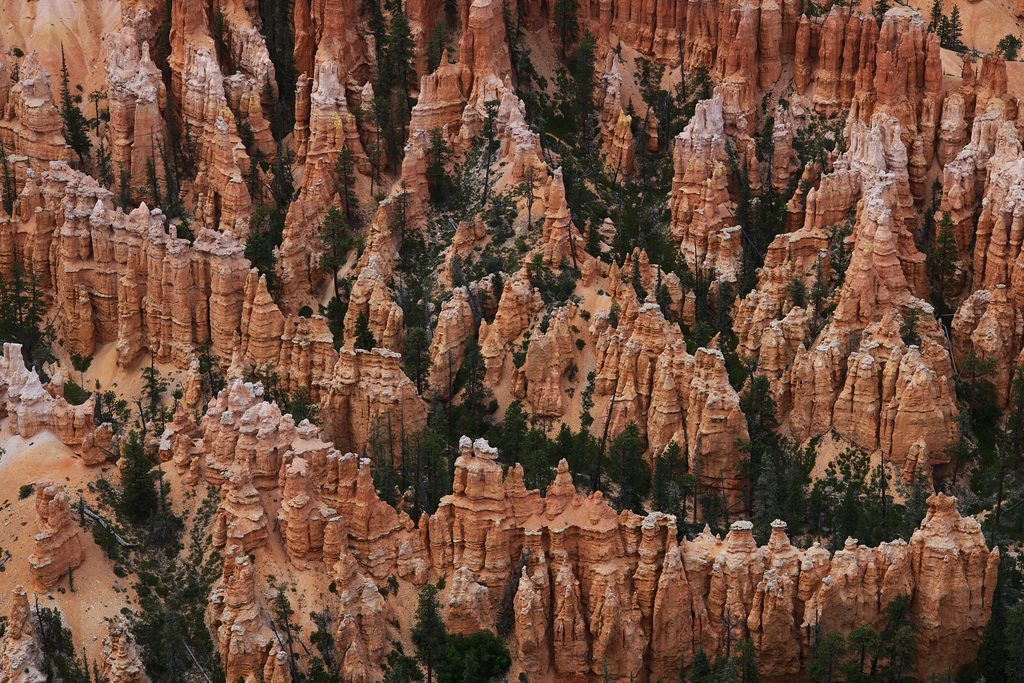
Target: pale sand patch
98 592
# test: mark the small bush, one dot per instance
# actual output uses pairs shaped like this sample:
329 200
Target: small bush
25 491
74 394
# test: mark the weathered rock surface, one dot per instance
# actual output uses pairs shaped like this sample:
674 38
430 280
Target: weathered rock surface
58 545
20 655
121 661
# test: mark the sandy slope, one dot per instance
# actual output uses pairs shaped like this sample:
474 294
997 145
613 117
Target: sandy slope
79 25
98 592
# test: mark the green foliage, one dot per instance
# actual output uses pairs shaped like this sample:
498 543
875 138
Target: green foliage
417 356
878 10
278 31
8 190
908 330
628 470
565 19
400 667
429 634
60 660
22 316
302 406
337 240
975 388
76 128
950 29
672 484
364 337
942 263
797 291
438 181
74 393
266 230
440 40
829 651
555 288
1008 46
777 470
474 409
139 498
25 490
345 183
475 658
168 623
700 668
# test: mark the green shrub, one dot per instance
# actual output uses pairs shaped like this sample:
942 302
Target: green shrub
74 394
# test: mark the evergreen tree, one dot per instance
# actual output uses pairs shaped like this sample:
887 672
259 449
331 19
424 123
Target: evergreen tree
951 30
400 73
429 633
75 125
261 242
437 43
153 183
364 337
672 483
1008 46
974 383
935 19
139 498
417 356
124 189
628 470
438 182
345 182
7 187
878 10
489 131
566 21
22 316
746 662
942 263
337 241
700 668
475 394
278 31
829 650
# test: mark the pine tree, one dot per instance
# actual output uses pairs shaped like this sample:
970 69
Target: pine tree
139 498
566 21
266 225
489 130
400 72
364 336
942 262
22 315
1008 46
951 30
417 357
153 182
7 186
75 126
878 10
700 668
935 20
438 182
628 469
334 234
429 633
124 190
345 182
